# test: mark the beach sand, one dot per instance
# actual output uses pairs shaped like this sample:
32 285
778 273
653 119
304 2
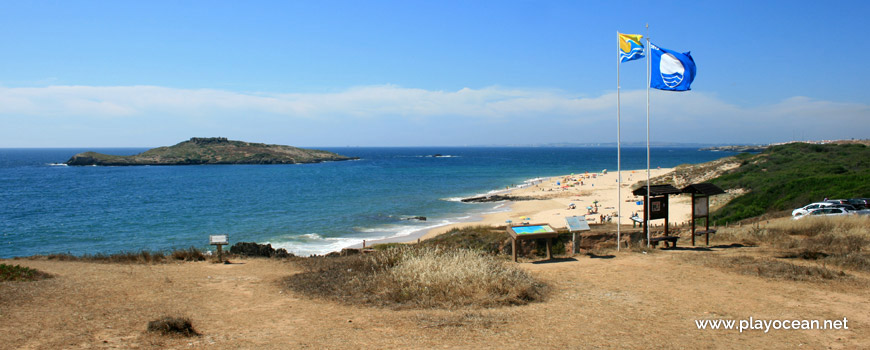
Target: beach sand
552 206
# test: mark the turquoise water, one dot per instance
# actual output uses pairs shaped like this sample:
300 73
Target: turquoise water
308 209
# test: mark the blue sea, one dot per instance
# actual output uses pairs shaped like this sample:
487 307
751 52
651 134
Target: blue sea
46 207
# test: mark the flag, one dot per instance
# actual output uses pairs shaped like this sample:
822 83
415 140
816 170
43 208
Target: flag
630 47
670 70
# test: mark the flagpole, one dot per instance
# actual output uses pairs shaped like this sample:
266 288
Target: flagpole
648 211
618 154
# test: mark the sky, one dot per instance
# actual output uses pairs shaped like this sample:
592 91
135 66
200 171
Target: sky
425 73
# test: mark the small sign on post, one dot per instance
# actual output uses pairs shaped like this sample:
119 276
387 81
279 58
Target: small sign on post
219 241
576 224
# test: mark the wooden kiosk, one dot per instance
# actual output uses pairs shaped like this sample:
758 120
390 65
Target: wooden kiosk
701 207
657 209
533 231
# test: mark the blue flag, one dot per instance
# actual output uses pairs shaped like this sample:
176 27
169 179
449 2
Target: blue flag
671 70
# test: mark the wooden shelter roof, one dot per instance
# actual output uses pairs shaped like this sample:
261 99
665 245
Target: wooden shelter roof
656 190
703 188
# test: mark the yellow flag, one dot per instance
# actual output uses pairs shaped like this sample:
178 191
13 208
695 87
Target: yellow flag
630 47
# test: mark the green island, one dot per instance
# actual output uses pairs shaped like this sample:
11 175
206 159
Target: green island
211 150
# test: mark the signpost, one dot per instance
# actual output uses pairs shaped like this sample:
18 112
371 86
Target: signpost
577 224
219 241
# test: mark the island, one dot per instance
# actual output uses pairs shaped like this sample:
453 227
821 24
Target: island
211 150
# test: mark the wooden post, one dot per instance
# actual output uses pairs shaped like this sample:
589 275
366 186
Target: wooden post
693 219
707 224
220 253
666 215
514 248
574 243
549 242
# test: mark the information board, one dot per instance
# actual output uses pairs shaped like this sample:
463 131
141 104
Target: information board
217 239
701 207
526 230
658 208
577 223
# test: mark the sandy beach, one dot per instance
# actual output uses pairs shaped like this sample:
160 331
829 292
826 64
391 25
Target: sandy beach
583 190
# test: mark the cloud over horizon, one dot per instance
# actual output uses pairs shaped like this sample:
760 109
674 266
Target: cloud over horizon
390 115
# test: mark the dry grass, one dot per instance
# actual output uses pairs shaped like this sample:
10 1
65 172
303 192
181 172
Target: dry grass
142 257
20 273
840 241
810 249
770 268
173 326
412 277
465 320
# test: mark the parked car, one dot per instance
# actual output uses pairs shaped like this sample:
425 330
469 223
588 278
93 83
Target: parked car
848 207
806 209
826 211
860 203
837 201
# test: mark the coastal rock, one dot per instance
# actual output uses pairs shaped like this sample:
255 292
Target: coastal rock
497 198
252 249
737 148
211 150
418 218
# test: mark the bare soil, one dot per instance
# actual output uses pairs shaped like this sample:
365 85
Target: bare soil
621 300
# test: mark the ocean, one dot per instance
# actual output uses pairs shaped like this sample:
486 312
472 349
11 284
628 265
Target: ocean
47 208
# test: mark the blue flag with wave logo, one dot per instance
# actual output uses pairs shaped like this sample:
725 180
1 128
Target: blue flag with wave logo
671 70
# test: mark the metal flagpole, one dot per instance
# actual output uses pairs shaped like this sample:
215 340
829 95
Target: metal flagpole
648 211
618 154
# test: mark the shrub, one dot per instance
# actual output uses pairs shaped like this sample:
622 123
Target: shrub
173 326
417 277
141 257
20 273
191 254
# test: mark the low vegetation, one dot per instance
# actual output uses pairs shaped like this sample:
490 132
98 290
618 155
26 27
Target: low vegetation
142 257
789 176
771 268
809 249
486 239
838 241
20 273
417 277
173 326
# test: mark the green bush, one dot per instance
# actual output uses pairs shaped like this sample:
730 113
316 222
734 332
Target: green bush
20 273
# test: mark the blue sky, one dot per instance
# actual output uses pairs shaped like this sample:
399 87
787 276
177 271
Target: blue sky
421 73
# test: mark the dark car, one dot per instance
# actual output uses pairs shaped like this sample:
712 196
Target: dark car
848 207
860 203
837 201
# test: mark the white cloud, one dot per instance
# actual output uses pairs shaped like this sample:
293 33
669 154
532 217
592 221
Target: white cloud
337 117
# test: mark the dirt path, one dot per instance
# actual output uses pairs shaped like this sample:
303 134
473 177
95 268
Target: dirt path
629 300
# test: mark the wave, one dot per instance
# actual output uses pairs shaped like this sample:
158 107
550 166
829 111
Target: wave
57 164
524 184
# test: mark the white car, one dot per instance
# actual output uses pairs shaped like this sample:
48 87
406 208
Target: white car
825 212
807 208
